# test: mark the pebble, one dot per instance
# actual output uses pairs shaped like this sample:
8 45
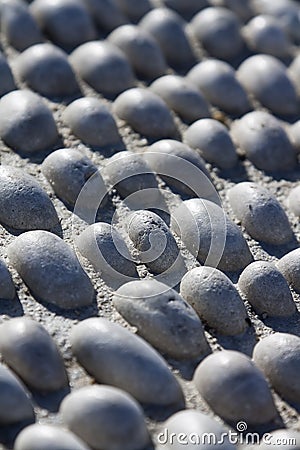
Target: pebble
182 97
263 140
7 82
210 235
141 49
217 81
24 205
244 9
114 355
289 438
106 249
105 417
278 357
162 317
50 269
216 300
266 289
135 9
66 22
294 72
18 25
15 400
293 132
235 388
266 78
212 140
28 349
45 69
260 213
219 31
146 113
186 8
289 266
7 287
91 121
106 14
26 123
168 28
47 437
103 66
294 201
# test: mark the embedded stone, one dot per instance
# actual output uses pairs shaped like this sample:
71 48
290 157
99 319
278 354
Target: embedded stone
289 266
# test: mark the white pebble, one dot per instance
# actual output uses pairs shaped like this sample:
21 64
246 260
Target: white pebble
289 266
294 201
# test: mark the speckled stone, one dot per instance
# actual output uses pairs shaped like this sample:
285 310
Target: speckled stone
215 299
28 349
293 201
135 9
235 388
260 213
7 287
162 317
26 123
115 356
106 14
51 270
105 417
7 82
290 438
289 266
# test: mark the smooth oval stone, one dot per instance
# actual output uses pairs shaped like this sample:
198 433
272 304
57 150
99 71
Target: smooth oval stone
289 266
167 27
278 356
45 69
218 30
235 388
24 205
210 235
26 123
7 287
50 269
244 9
162 317
14 401
189 428
134 9
294 201
106 13
186 8
115 356
7 82
103 66
141 49
266 78
67 22
262 139
47 437
91 121
146 113
260 213
105 417
216 300
289 440
18 25
212 140
106 249
182 97
266 289
219 85
28 349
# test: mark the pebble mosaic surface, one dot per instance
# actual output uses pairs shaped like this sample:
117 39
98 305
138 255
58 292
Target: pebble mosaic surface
141 140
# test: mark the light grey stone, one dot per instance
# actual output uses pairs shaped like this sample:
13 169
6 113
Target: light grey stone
106 13
294 201
293 132
289 266
7 287
7 82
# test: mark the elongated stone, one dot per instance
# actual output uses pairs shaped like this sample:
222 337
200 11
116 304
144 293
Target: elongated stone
7 287
289 266
7 82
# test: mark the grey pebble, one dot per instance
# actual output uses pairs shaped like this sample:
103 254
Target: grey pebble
294 201
186 8
293 132
278 356
216 300
266 78
146 113
182 97
115 356
168 28
47 437
212 140
7 287
289 266
217 81
105 417
24 205
260 213
294 72
50 269
67 22
91 121
141 49
7 82
106 14
135 9
264 141
219 31
235 388
162 317
26 123
266 289
28 349
45 68
289 438
210 235
244 9
15 402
